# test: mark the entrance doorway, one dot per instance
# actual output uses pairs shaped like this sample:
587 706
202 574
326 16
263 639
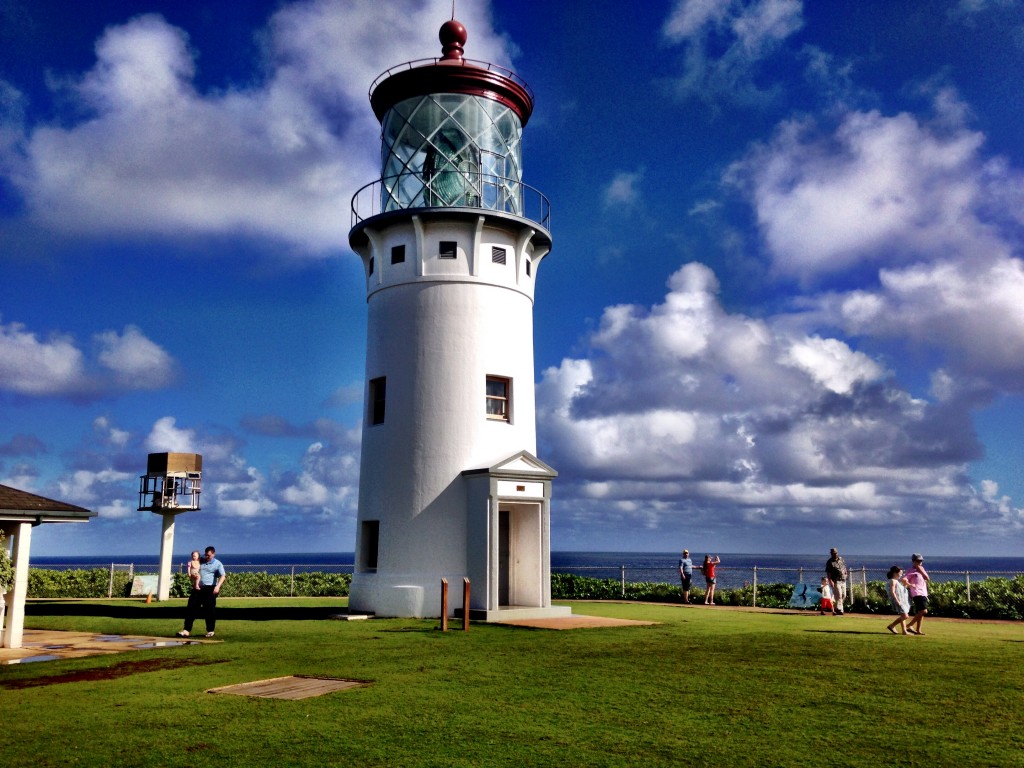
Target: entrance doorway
520 553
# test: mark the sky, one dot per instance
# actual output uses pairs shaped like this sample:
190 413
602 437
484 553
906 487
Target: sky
784 309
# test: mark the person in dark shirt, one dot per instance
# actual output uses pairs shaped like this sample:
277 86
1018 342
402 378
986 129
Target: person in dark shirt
835 569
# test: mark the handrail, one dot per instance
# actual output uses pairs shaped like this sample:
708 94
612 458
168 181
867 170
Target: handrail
410 190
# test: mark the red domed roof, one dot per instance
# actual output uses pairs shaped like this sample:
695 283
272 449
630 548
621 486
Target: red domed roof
451 74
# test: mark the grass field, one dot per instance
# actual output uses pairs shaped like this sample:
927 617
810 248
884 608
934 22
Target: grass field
708 687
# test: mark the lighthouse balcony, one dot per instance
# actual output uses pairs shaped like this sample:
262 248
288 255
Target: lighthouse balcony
450 190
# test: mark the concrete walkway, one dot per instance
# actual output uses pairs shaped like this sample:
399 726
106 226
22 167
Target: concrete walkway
50 645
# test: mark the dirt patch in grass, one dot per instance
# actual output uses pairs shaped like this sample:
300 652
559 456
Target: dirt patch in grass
122 669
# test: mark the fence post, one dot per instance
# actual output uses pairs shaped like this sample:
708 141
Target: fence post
291 586
800 577
110 586
622 579
968 575
755 588
444 605
465 604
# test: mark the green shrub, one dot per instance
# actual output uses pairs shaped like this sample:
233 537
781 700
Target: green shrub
95 582
318 584
6 566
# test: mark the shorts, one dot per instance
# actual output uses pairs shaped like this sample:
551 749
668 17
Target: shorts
920 603
710 581
687 580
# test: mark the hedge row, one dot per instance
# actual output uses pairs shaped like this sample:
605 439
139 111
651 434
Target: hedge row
97 583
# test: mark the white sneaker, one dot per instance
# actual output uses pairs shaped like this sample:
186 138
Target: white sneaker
183 633
209 634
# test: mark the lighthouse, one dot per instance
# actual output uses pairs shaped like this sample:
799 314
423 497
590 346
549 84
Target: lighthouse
451 241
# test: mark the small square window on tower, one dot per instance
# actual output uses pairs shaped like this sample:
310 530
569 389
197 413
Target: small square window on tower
448 249
377 398
397 254
498 391
498 254
529 268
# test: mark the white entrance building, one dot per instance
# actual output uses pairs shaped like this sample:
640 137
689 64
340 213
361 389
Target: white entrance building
451 242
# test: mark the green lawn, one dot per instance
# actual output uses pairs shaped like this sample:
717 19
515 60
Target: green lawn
714 687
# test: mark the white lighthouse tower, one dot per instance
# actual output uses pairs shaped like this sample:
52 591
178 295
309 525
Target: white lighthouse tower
451 242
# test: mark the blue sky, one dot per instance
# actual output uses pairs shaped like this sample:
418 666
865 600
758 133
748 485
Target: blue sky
784 310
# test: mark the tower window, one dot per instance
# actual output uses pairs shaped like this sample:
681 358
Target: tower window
371 265
498 388
378 395
448 250
528 268
397 254
498 255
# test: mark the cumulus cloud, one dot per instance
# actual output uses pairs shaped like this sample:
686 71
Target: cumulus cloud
134 360
277 159
685 406
55 366
913 212
166 437
328 482
30 366
108 486
878 189
725 43
973 314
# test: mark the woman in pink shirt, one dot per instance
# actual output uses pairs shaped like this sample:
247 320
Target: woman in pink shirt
917 581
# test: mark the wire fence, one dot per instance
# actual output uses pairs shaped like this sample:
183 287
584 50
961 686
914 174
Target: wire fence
727 577
735 577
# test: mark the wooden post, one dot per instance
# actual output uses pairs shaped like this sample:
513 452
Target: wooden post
465 604
755 587
444 605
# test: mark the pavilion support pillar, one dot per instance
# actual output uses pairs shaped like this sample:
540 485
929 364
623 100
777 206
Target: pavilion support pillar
14 626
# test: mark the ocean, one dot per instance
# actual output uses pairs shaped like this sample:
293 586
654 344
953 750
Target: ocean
736 569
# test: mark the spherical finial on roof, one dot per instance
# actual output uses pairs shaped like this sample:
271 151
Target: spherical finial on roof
453 37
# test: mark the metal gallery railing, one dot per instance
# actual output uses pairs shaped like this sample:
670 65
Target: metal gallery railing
477 190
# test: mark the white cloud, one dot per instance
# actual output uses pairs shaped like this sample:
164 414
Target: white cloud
832 363
689 17
84 487
56 367
246 495
278 159
165 437
135 360
109 433
974 314
29 366
878 190
623 191
684 406
746 33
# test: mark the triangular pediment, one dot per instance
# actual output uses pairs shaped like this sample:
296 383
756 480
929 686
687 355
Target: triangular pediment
518 465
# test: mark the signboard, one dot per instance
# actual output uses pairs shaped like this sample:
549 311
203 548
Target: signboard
145 585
